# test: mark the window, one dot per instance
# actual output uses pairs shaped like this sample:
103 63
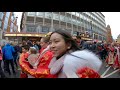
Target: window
1 15
5 24
73 13
7 14
62 18
40 14
11 28
0 24
31 13
5 27
74 21
55 16
68 20
31 28
48 15
45 29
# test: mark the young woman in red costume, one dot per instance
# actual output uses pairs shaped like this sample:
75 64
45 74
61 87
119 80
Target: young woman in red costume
116 63
110 58
42 70
69 61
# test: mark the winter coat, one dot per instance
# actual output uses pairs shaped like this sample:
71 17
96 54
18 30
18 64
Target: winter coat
8 51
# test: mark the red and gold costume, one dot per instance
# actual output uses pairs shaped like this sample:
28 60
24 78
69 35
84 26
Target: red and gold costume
42 70
116 64
110 58
87 73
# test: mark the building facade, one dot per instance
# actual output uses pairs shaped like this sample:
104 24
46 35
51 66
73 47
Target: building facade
109 38
118 39
8 23
87 24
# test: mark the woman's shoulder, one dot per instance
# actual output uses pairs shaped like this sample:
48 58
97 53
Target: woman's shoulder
82 58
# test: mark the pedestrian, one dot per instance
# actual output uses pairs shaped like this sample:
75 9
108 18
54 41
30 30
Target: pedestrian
8 51
4 61
38 44
68 58
35 45
15 54
1 58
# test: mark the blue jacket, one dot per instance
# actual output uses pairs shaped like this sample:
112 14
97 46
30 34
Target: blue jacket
8 51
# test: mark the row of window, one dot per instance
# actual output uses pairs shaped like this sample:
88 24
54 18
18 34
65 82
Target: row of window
38 29
86 25
67 19
95 20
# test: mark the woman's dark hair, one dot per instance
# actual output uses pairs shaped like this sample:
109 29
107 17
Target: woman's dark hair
68 38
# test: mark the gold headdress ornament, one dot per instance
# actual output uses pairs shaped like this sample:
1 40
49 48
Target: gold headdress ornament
48 34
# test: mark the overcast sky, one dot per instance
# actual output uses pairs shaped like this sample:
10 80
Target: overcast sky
111 18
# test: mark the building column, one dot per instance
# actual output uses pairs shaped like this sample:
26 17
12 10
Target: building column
51 28
44 19
35 18
66 21
71 24
0 36
59 21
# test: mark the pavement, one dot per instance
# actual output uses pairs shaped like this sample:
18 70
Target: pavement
17 75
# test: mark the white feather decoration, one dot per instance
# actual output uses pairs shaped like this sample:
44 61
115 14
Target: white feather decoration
78 60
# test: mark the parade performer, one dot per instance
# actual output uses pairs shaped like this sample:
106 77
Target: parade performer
69 61
116 63
42 70
110 58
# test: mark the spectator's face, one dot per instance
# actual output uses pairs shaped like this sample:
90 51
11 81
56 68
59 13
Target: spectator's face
24 50
43 44
58 45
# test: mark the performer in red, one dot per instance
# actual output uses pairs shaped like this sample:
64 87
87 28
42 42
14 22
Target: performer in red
24 54
116 63
45 57
69 61
110 58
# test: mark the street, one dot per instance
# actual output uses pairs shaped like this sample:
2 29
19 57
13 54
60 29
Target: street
12 75
109 70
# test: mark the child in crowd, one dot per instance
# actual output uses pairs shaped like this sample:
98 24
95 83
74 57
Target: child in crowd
32 59
25 53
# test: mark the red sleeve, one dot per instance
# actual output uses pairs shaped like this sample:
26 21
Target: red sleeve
42 71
